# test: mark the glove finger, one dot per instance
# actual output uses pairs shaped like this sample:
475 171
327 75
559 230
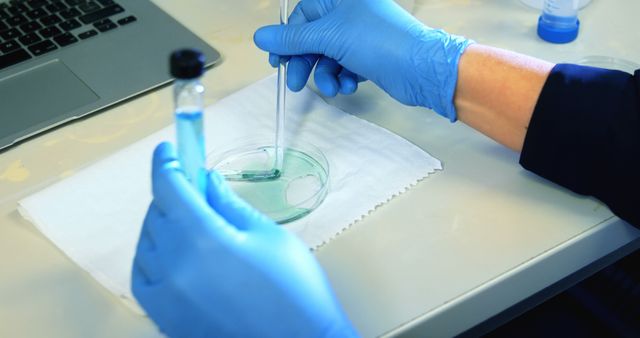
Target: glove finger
149 266
157 234
236 211
151 297
170 186
179 201
326 76
149 237
348 82
145 242
139 283
164 161
302 35
292 39
297 15
275 59
299 69
153 241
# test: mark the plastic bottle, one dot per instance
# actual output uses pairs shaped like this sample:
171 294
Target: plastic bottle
187 67
559 21
539 4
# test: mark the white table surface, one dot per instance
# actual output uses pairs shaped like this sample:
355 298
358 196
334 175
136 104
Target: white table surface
454 250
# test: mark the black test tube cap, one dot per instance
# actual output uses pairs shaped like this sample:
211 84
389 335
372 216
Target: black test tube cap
187 64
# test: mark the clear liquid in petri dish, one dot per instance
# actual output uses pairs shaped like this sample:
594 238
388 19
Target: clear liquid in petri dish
293 193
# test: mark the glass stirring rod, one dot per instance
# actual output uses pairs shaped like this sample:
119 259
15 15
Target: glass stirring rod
281 100
279 145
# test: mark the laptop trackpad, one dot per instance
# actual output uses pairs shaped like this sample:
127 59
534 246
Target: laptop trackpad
41 97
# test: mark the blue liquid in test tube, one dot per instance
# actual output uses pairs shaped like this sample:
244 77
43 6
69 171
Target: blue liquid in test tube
191 150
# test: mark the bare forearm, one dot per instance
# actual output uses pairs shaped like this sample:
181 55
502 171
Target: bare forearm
497 91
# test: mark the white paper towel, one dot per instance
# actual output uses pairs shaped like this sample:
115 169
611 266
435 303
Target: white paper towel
95 216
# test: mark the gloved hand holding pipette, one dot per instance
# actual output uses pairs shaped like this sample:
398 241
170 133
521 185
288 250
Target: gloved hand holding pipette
371 39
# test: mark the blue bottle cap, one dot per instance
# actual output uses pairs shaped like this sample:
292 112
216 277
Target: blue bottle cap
555 34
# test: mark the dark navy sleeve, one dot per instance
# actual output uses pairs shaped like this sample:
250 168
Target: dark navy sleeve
584 134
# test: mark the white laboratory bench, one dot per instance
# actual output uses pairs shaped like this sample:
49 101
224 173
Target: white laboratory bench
459 248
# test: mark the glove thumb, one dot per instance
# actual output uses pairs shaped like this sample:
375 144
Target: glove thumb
232 208
292 39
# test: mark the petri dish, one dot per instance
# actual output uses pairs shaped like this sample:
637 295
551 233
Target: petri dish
293 193
609 63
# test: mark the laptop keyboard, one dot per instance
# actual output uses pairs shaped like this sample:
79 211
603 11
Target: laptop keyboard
30 28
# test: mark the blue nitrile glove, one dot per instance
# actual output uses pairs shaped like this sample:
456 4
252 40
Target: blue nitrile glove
219 268
372 39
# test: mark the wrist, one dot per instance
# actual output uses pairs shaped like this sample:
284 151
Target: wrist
435 57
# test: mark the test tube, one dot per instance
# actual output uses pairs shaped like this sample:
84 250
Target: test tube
187 66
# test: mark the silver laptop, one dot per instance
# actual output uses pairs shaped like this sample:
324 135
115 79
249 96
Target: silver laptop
64 59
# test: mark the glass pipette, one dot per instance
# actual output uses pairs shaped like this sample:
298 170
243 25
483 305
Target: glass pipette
280 104
279 144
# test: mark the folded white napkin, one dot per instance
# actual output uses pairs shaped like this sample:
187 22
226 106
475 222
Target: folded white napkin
95 215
